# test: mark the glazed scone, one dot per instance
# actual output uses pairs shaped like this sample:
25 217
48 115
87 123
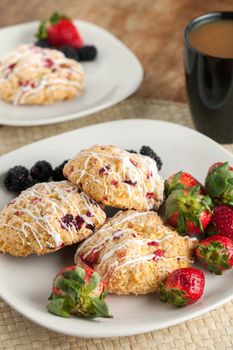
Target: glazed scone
32 75
117 178
134 252
46 217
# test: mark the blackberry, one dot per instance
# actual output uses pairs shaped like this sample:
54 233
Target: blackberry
29 183
16 178
57 174
70 52
87 53
147 151
41 171
43 43
131 151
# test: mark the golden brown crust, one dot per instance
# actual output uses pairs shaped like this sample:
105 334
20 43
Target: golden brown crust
117 178
46 217
31 75
134 252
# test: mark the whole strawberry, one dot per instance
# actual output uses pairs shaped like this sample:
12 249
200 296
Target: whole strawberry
219 183
189 212
60 31
181 181
222 221
78 290
216 253
183 287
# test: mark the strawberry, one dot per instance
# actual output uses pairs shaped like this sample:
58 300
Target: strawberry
216 253
59 31
189 212
222 221
219 183
213 166
181 180
182 287
78 290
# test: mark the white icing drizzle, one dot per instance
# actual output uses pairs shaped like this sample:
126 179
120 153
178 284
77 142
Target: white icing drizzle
46 204
113 230
139 259
107 230
149 182
33 59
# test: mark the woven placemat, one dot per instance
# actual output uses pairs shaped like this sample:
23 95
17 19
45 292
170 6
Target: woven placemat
214 330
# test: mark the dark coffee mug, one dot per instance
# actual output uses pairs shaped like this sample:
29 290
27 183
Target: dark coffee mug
209 82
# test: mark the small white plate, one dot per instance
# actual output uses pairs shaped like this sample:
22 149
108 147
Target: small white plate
26 282
113 76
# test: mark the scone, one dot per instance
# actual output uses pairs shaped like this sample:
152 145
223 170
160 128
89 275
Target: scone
32 75
117 178
46 217
134 252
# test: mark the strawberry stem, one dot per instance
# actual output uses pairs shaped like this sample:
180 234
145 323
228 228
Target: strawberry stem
173 296
78 297
215 256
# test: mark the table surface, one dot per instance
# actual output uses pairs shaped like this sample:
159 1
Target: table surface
151 29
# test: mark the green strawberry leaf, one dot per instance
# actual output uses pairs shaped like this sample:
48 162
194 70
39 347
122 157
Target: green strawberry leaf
172 203
211 229
104 293
177 186
217 180
66 285
217 185
61 306
91 307
55 18
214 269
215 256
77 275
100 307
207 201
194 190
174 184
94 282
173 296
81 272
227 196
181 224
42 31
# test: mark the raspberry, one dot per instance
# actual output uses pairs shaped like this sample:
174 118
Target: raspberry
41 171
16 178
147 151
87 53
57 174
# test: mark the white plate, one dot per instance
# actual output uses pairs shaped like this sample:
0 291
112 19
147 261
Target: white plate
26 282
113 76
